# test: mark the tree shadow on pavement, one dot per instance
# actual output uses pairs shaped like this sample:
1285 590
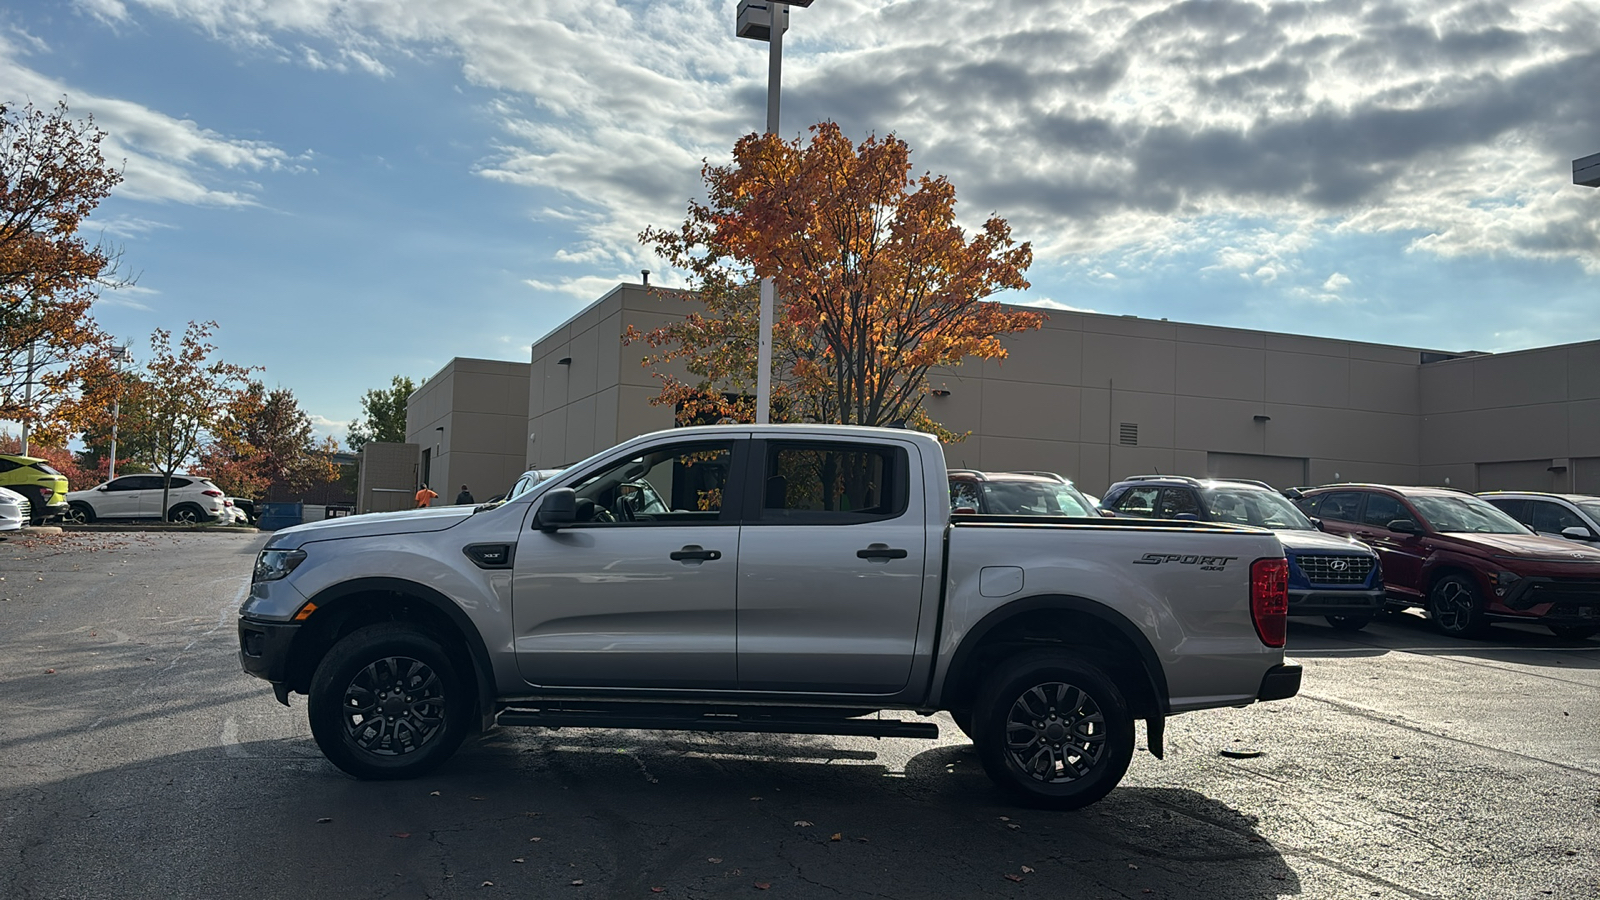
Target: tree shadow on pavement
614 814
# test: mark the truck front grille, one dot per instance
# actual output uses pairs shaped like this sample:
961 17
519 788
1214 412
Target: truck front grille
1327 568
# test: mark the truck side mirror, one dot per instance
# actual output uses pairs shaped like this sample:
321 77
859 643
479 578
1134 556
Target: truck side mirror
560 507
1577 533
1403 526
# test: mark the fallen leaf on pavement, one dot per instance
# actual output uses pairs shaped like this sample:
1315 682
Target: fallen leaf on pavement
433 793
401 834
49 671
577 882
713 859
535 840
837 836
477 798
487 884
1013 826
1011 877
755 798
763 885
657 890
519 860
802 823
324 820
1027 870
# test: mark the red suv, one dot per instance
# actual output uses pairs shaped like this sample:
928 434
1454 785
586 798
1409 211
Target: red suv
1463 560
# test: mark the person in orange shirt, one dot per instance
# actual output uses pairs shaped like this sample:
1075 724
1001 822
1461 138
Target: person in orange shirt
425 497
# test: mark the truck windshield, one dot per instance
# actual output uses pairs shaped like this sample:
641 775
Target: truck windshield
1264 509
1465 514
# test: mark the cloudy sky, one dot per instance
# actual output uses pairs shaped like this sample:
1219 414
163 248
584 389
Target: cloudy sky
360 188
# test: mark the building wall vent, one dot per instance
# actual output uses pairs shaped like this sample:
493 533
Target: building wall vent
1130 434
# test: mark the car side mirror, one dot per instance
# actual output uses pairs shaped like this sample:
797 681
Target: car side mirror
1404 526
1317 523
1110 514
103 487
560 508
1577 533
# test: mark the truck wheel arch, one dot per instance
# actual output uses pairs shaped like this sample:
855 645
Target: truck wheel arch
966 662
341 609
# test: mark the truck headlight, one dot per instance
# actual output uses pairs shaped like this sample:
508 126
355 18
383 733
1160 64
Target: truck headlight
274 564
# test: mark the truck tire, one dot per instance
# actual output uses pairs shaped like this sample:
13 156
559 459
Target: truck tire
1052 730
1455 607
387 703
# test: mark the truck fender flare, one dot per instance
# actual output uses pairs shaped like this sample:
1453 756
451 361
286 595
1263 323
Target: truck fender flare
481 667
1149 661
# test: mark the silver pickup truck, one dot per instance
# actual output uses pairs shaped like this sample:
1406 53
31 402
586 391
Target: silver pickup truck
775 578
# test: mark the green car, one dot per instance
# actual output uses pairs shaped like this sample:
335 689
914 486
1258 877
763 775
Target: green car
32 477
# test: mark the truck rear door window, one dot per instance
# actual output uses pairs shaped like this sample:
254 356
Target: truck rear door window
843 483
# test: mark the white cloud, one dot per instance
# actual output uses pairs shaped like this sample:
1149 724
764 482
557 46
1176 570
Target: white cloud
1093 126
166 159
1336 282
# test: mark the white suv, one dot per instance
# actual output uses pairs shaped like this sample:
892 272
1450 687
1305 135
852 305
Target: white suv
1575 517
192 498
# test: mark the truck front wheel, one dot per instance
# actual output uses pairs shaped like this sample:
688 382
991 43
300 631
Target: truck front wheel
387 703
1052 730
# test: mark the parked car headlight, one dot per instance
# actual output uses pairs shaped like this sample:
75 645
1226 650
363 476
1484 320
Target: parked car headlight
1504 582
274 564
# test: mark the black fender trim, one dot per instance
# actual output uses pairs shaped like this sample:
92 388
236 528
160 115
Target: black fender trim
1147 654
482 668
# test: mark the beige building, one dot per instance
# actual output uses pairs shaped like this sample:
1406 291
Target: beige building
470 422
1098 398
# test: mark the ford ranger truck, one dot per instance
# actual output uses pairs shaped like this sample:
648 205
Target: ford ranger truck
790 578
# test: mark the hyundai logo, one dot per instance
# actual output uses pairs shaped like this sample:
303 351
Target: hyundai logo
1339 565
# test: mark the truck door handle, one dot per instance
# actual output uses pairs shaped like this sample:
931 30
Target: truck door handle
695 553
880 551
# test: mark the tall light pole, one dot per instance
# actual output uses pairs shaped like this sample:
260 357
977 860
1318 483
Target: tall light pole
119 355
766 20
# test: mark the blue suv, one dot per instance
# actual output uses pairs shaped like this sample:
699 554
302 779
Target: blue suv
1329 575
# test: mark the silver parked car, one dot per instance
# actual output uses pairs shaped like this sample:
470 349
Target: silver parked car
1575 517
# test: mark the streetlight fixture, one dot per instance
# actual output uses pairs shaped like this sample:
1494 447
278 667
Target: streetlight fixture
1586 171
766 20
119 355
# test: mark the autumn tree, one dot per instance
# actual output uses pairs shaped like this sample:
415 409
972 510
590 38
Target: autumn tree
186 396
876 283
383 414
264 438
52 176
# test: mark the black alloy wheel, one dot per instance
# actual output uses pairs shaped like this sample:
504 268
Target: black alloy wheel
387 702
1053 730
1453 603
77 514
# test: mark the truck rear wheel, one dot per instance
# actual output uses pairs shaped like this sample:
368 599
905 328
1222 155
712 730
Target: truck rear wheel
387 703
1052 730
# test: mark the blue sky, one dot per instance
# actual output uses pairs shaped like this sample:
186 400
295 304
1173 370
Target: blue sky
359 189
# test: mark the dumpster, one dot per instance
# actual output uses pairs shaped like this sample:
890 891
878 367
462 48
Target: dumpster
278 515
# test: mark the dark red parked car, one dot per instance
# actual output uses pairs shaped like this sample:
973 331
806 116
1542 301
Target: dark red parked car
1464 561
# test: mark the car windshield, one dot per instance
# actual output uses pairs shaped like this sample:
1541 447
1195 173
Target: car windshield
1465 514
1034 498
1592 507
1262 508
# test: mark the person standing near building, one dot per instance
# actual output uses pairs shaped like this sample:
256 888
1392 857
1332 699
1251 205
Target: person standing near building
425 497
464 497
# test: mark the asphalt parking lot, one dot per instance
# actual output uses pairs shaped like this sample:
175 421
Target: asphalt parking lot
136 760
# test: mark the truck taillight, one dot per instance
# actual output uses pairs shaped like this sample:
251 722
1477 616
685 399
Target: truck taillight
1269 599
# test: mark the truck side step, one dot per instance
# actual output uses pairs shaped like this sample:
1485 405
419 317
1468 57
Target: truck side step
560 718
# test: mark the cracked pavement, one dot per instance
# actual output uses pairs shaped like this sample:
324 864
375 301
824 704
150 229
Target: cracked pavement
137 760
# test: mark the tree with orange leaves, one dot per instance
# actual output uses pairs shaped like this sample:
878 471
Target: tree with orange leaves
876 284
52 176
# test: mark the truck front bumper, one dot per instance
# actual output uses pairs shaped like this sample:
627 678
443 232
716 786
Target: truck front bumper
264 648
1314 602
1280 683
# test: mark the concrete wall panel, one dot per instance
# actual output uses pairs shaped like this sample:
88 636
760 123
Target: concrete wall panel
1153 413
1047 356
1520 379
1384 387
1307 379
1446 387
1131 363
1213 370
1030 410
1583 371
